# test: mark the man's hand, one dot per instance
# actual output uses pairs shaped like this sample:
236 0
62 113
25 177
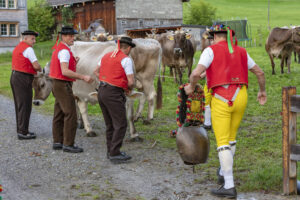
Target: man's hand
188 89
87 79
262 97
77 59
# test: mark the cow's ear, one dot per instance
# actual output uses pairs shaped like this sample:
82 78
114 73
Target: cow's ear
170 37
110 37
205 36
188 36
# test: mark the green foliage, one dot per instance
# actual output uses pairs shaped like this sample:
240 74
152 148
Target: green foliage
67 16
40 19
198 12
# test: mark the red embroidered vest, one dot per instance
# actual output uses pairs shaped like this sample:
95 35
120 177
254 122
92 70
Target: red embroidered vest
111 70
19 62
227 69
55 68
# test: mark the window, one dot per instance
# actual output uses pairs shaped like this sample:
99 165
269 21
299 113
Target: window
8 3
7 30
141 23
2 4
12 30
11 3
3 29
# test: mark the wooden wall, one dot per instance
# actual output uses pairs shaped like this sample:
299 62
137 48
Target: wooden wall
87 12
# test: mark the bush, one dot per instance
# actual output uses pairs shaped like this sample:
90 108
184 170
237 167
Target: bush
198 12
40 19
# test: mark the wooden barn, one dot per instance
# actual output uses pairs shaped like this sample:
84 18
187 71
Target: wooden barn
118 15
13 21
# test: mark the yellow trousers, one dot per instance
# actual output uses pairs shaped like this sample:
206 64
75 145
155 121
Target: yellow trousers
207 95
226 119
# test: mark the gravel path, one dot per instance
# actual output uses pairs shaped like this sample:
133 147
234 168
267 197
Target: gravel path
31 170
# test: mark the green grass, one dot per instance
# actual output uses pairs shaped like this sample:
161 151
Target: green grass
282 13
258 160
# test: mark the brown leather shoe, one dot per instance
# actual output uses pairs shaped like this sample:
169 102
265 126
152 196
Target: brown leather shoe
222 192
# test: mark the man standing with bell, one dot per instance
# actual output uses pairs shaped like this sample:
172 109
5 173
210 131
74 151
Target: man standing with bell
226 67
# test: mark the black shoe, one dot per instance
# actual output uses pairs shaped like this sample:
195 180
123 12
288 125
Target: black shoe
72 149
57 146
207 127
222 192
122 157
28 136
221 180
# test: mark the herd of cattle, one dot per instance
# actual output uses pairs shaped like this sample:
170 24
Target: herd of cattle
281 43
173 49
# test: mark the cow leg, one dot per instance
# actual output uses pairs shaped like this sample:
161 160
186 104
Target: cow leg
288 63
164 70
134 136
139 111
295 56
175 74
298 58
282 64
82 105
180 75
80 124
272 63
150 95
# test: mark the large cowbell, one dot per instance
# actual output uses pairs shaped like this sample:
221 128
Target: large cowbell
193 144
191 138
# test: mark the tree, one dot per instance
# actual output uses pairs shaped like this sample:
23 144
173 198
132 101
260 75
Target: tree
198 12
40 19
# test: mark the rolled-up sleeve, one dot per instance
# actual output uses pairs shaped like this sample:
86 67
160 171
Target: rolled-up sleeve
206 57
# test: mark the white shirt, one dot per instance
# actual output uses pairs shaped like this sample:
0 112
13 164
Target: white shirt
64 55
29 53
207 57
126 63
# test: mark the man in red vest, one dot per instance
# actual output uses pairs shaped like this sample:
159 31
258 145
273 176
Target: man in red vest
226 67
63 72
116 76
24 66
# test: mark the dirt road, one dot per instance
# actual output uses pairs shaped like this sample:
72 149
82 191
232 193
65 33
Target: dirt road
31 170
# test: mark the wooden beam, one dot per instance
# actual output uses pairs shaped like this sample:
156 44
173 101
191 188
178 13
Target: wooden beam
295 103
288 138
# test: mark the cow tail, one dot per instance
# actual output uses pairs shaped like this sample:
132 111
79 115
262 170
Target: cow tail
159 85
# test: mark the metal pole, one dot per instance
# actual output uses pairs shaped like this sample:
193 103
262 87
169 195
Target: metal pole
269 15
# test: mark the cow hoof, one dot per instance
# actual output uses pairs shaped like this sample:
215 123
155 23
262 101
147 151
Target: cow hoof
146 122
91 134
136 139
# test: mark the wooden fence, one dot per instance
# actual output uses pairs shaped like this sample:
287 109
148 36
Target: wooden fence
290 148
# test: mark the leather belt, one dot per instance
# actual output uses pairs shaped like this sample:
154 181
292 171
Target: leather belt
23 73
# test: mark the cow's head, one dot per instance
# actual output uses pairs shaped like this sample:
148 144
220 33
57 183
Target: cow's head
42 86
179 37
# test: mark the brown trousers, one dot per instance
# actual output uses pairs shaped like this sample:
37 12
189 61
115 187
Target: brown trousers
112 102
21 85
64 123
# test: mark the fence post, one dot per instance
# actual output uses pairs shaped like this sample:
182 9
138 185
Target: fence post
289 137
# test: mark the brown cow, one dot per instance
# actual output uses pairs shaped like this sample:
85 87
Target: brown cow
178 51
206 40
280 44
